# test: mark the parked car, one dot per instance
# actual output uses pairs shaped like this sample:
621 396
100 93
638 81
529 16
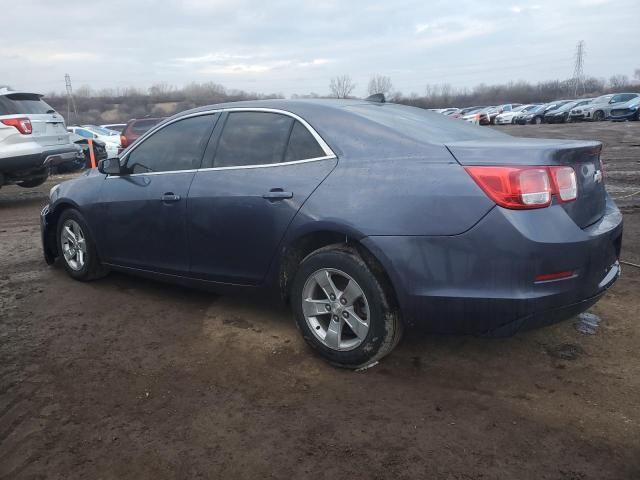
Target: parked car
449 111
601 107
627 111
486 115
472 115
135 128
507 107
116 127
561 114
110 138
32 139
532 115
465 111
99 153
509 117
488 233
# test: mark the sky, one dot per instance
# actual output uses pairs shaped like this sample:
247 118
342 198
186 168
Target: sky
295 47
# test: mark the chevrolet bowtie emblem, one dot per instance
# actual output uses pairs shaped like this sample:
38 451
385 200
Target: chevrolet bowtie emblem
597 177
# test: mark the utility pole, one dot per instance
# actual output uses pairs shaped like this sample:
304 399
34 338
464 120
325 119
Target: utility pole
70 100
578 71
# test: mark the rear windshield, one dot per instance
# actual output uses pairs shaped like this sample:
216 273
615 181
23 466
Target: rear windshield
23 103
141 126
422 125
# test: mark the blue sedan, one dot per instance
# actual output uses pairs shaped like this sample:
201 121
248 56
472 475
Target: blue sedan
367 217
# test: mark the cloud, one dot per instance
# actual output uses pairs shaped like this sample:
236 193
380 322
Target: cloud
524 8
290 46
450 30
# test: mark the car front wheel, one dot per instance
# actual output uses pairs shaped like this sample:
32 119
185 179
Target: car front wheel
77 248
343 309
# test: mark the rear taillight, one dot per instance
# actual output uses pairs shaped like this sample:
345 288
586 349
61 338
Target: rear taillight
565 184
23 125
123 141
525 187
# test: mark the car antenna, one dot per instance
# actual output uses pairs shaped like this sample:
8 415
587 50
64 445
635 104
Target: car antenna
376 97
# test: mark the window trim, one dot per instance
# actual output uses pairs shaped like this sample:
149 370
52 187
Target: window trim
323 145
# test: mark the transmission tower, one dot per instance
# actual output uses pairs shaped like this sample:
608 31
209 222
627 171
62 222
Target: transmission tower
70 100
577 81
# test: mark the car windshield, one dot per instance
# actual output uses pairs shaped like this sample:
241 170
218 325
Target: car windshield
567 106
100 130
603 99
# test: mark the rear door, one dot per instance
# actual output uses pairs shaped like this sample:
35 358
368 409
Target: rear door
48 125
142 214
265 166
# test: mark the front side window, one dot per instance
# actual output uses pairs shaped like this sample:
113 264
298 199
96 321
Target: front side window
253 138
177 146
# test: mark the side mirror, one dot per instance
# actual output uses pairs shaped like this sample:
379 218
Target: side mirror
110 166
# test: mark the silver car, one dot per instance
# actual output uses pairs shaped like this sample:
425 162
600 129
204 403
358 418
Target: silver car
33 138
601 107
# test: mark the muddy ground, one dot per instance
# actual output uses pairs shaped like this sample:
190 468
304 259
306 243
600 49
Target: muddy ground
127 378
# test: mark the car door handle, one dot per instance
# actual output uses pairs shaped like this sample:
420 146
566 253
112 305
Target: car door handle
170 197
277 194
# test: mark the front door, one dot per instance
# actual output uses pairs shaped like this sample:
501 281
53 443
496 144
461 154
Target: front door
143 211
265 166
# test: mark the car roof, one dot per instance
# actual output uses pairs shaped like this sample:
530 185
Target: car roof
354 128
9 91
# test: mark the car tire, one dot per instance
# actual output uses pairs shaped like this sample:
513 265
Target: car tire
598 116
537 120
76 247
322 319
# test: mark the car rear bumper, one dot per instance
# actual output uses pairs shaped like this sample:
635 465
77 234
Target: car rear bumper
483 281
36 161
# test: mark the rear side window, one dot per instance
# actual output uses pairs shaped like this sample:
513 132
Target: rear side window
178 146
23 103
253 138
302 145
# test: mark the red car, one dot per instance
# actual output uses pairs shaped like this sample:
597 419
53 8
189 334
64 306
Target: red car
135 128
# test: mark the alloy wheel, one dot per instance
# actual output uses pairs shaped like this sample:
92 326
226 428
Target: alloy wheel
335 309
74 246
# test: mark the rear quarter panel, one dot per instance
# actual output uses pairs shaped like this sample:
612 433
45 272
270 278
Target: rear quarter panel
429 194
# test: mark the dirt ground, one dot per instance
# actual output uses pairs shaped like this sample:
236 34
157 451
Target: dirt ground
127 378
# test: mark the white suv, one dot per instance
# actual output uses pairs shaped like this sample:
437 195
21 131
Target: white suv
33 137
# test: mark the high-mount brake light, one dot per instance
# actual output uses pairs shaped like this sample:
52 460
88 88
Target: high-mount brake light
525 187
22 124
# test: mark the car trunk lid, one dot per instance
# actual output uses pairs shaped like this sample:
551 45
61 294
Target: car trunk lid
48 129
583 156
47 126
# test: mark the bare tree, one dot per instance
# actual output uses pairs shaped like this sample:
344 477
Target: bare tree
636 74
341 86
380 84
